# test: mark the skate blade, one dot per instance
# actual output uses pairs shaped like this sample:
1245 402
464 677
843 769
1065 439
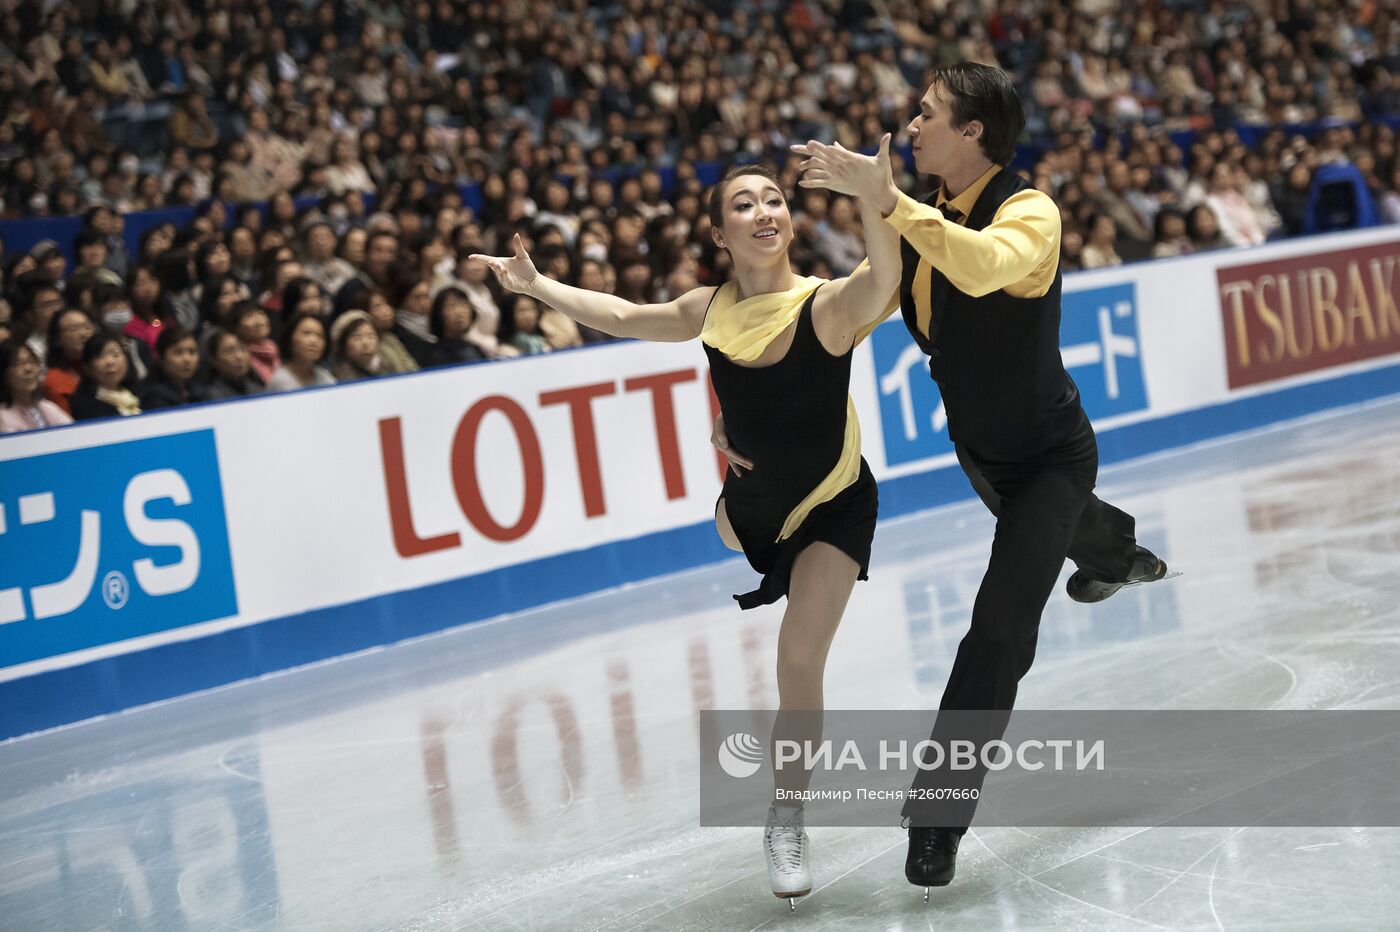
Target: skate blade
1142 582
794 895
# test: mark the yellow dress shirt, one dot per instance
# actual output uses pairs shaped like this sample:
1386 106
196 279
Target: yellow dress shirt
1019 251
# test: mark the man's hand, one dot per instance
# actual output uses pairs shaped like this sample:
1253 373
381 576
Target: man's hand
720 440
838 169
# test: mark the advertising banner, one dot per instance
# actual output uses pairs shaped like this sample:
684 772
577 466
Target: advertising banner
254 535
111 542
1292 315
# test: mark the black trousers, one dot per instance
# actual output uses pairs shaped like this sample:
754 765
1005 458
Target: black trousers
1046 511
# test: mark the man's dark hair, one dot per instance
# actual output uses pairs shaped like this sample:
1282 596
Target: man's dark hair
170 336
736 171
35 287
404 281
88 236
381 233
421 240
92 213
244 211
547 254
983 93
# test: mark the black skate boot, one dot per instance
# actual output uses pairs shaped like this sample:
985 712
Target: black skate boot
933 857
1146 568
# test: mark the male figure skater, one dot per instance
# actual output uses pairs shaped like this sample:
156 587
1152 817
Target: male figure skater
981 294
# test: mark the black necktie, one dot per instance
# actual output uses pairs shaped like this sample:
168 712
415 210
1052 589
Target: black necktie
952 214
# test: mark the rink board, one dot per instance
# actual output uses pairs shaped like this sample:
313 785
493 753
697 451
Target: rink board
183 550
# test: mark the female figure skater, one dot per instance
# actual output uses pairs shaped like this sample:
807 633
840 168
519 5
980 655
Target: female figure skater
803 511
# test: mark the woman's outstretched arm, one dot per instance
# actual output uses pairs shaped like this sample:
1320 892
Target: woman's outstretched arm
863 297
673 322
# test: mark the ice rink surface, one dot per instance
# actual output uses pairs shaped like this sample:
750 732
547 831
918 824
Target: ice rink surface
539 771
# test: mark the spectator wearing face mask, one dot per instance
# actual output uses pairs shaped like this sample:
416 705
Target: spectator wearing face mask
113 314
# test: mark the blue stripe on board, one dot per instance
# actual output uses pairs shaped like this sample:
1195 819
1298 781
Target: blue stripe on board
59 697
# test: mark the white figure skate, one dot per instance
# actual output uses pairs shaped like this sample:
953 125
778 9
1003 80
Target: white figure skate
785 849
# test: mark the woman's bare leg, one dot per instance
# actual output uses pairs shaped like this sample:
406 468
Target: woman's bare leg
818 590
726 530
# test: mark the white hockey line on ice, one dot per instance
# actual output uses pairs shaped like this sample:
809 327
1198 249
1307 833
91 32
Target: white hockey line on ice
1173 872
1210 890
1034 878
1224 648
1169 884
1237 831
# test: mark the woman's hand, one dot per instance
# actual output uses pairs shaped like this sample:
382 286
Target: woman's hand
516 273
720 440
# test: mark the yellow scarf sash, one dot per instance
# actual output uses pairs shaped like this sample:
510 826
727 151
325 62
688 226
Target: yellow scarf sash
742 330
122 399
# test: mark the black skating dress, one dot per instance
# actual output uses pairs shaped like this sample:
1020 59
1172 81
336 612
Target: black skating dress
789 420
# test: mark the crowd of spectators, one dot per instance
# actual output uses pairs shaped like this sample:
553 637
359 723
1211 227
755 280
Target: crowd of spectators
324 150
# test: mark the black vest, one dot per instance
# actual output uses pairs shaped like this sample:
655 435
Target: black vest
996 358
